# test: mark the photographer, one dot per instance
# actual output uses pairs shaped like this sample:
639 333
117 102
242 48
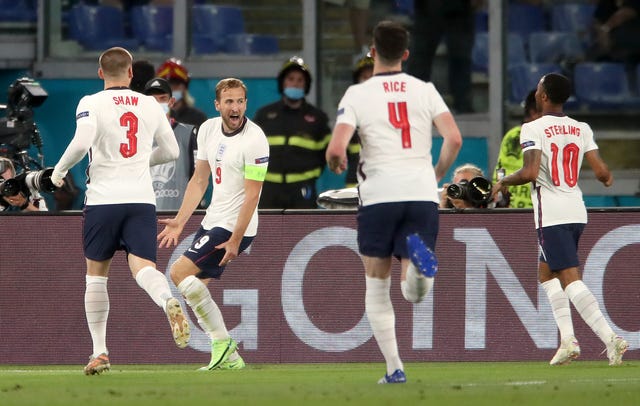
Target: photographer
473 195
25 199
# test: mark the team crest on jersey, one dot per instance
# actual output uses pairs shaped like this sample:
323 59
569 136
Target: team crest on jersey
527 144
262 160
82 114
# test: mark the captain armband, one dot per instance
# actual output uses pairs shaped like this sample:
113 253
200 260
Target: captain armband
255 172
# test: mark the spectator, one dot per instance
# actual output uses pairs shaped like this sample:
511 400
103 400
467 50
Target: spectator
463 173
183 110
25 199
361 72
453 20
143 71
298 134
358 20
617 31
510 158
170 179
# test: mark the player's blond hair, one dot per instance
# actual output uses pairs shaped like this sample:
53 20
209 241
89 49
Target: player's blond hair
115 62
229 83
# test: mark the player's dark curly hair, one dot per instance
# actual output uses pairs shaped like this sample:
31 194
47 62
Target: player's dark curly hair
557 87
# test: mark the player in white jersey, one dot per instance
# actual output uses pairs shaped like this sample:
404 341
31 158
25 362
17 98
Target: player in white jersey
554 146
233 151
398 213
117 127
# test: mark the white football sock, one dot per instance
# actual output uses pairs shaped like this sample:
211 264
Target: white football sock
588 307
416 286
155 284
377 303
560 307
199 298
96 308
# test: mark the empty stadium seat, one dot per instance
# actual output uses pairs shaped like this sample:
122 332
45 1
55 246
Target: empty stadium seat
252 44
555 47
212 25
480 52
153 26
99 27
524 19
603 85
572 17
525 77
18 10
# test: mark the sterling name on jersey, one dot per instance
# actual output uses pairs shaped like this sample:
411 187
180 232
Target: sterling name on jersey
118 127
555 194
393 114
244 154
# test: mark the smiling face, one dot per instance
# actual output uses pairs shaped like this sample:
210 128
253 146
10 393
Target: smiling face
231 104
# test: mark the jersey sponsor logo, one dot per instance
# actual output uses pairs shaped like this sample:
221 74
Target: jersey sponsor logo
82 114
527 144
262 160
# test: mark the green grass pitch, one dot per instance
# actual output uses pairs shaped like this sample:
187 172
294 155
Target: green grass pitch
435 383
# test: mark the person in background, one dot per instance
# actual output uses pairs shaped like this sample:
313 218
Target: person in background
464 172
298 133
362 71
143 71
554 147
510 158
26 200
170 179
236 152
358 21
398 185
183 110
117 127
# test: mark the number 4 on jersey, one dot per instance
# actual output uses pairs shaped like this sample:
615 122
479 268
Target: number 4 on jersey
399 119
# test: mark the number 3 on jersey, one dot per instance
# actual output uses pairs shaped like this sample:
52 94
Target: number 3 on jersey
399 118
130 122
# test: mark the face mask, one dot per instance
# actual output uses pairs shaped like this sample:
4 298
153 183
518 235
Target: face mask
177 94
165 107
294 93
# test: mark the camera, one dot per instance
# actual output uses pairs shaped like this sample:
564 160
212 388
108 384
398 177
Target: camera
476 191
28 181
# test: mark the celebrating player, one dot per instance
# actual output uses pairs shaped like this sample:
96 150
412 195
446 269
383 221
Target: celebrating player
237 152
553 148
398 213
118 126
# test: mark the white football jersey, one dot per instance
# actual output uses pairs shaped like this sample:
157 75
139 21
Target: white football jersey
393 114
117 127
230 157
556 196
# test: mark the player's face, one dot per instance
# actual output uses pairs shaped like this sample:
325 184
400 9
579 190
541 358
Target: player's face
232 106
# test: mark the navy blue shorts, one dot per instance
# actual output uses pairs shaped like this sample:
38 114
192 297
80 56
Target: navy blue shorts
108 228
383 228
206 256
560 245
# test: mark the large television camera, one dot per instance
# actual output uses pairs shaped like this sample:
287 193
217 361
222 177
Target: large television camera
18 130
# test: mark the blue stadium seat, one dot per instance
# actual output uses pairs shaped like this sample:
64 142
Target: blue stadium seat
212 25
153 26
252 44
573 17
603 85
403 7
18 10
99 27
482 20
480 52
555 47
524 19
525 77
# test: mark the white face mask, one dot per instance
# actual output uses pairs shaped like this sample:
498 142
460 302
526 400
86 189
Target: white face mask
177 94
165 107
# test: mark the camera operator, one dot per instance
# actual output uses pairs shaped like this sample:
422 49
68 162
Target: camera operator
462 175
26 199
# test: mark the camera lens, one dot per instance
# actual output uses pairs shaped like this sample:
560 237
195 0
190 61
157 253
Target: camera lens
10 187
455 191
